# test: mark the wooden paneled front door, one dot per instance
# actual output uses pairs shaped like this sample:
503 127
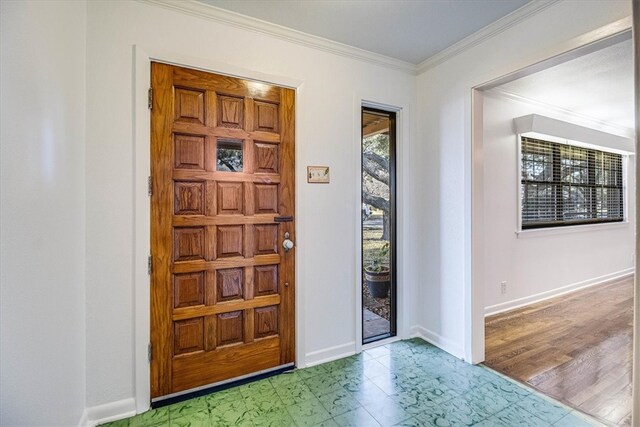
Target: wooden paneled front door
222 174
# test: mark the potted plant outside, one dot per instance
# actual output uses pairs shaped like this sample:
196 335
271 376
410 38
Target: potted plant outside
377 275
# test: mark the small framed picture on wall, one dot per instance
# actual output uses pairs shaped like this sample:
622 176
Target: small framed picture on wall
318 174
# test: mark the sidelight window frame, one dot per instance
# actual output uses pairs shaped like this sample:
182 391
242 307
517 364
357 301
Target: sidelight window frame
393 231
595 173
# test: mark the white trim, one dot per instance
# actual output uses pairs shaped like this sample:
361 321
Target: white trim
542 296
329 354
84 419
142 229
142 58
300 220
381 343
592 41
635 411
414 331
403 133
474 334
600 146
433 338
564 51
570 229
108 412
564 132
357 180
219 67
485 33
206 11
600 125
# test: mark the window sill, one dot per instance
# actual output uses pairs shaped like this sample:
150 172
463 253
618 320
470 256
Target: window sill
552 231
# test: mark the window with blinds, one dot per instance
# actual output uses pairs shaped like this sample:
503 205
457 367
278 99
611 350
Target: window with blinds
568 185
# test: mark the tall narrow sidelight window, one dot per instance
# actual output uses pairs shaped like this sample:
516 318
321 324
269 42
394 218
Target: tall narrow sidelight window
378 224
568 185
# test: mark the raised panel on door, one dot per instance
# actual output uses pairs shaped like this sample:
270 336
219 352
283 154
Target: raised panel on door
265 278
230 198
188 289
188 243
189 198
266 198
189 106
265 116
189 151
266 321
229 284
266 157
230 328
230 241
265 238
188 336
223 174
230 111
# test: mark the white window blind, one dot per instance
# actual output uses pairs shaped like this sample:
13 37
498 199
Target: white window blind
568 185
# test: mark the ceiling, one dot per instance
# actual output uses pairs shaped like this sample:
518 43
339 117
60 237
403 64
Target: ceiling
598 85
409 30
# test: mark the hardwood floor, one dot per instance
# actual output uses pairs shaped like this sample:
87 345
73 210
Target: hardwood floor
576 348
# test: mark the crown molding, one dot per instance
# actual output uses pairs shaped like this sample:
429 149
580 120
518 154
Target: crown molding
532 8
598 124
227 17
206 11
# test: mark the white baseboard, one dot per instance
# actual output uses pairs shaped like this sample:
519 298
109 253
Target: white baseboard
84 419
438 340
414 331
330 354
521 302
125 408
108 412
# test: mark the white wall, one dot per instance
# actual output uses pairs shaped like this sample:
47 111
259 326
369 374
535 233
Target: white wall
43 81
42 213
327 134
539 265
444 153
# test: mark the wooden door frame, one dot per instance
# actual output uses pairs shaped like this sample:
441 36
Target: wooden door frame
474 348
142 58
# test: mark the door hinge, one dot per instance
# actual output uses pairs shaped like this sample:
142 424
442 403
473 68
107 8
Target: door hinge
150 352
150 99
149 265
150 186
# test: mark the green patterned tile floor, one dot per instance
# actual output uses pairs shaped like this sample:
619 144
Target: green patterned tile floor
406 383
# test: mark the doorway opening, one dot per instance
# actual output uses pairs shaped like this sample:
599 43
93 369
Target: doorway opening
554 204
378 225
